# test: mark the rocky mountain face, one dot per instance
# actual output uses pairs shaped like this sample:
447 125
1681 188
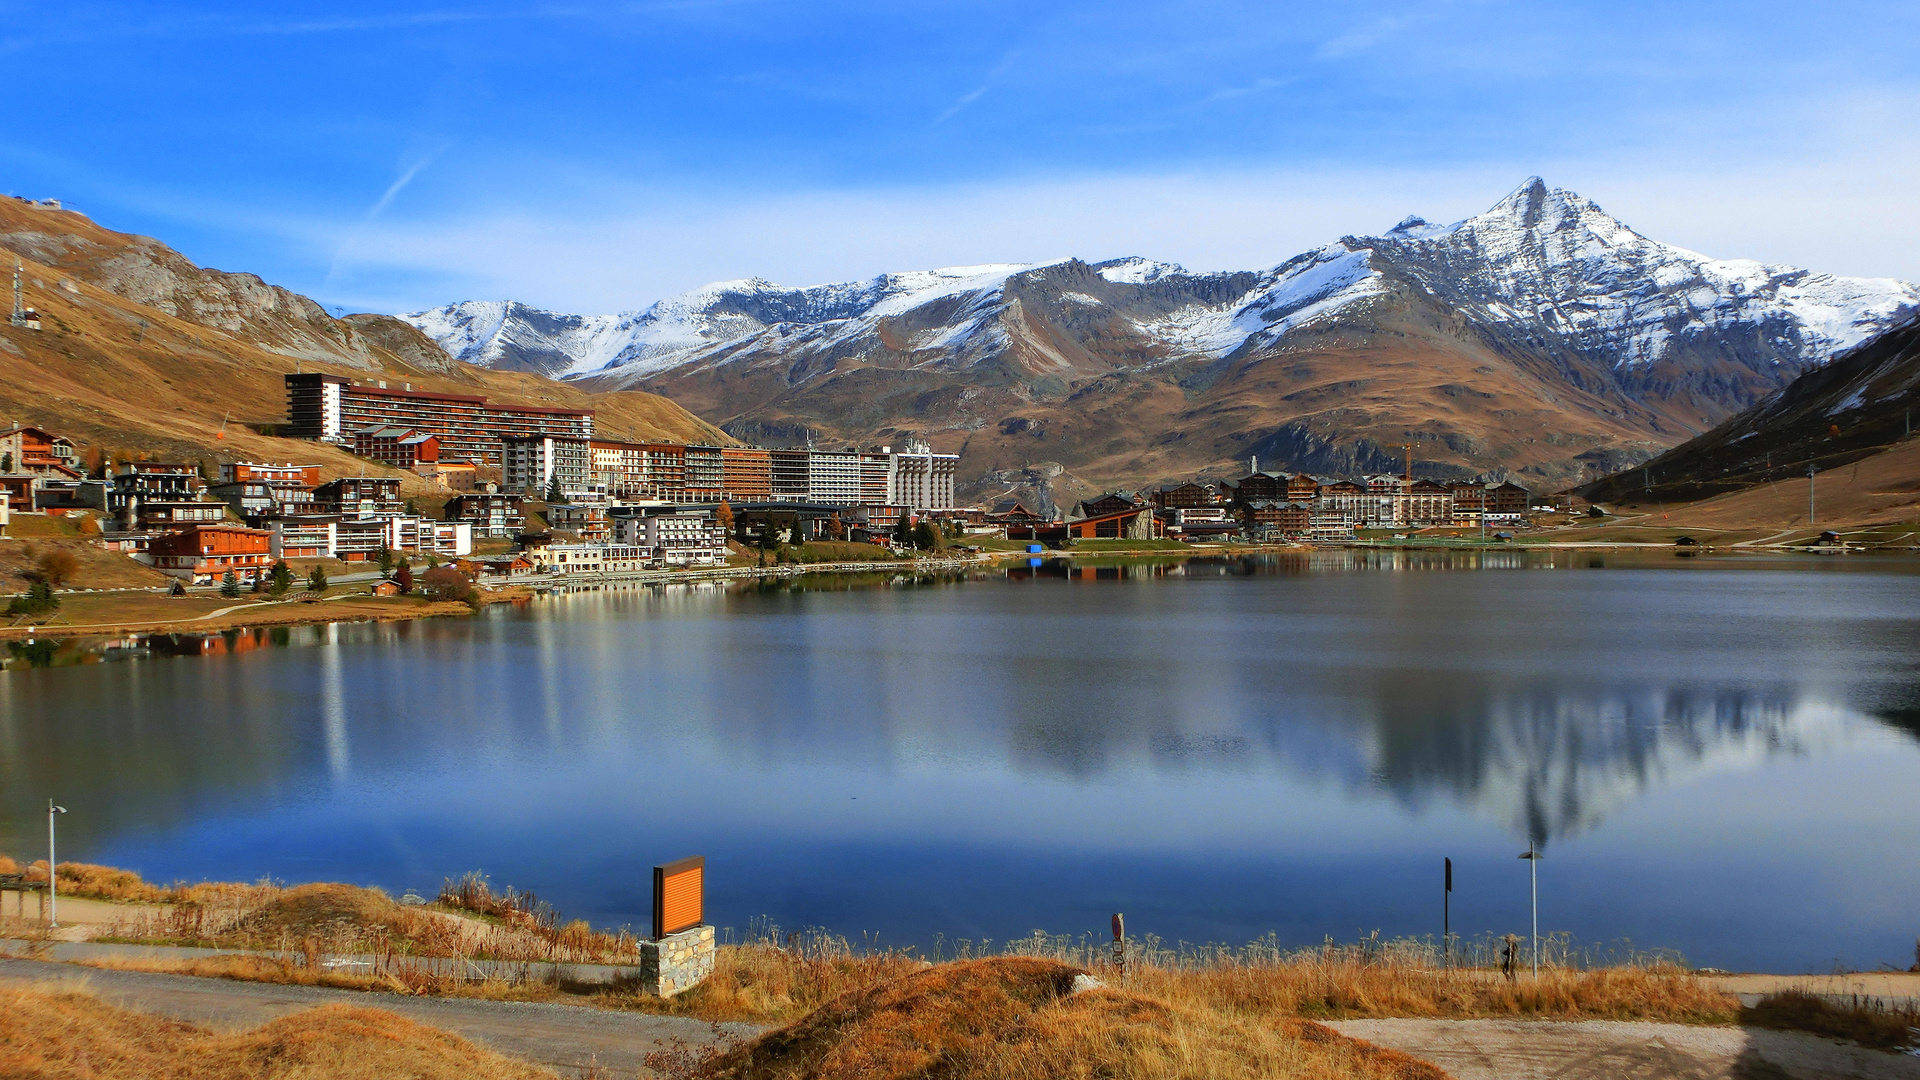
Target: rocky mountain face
1543 339
1859 405
151 274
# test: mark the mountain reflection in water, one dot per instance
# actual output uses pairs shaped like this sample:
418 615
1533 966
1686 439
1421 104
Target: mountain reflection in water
1358 700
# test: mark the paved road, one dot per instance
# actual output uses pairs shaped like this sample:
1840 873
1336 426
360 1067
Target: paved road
1626 1050
565 1038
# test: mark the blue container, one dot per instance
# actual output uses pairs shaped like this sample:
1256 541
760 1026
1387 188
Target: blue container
1034 549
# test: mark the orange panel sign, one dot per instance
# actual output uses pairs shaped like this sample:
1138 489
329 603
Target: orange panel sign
679 896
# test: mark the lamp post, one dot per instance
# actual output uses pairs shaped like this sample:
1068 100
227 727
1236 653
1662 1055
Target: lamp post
53 891
1811 469
1533 873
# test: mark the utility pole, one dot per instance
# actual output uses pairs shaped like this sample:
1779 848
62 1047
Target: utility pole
1811 469
1446 920
1533 872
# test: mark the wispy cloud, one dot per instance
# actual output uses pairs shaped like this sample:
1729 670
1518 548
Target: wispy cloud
1358 41
1258 86
379 206
971 96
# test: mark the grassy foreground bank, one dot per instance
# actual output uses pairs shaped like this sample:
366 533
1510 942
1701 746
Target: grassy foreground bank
1040 1007
773 978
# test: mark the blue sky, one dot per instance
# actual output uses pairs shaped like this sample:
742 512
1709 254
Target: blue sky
595 157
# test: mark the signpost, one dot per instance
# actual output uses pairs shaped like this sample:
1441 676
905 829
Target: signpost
680 953
679 896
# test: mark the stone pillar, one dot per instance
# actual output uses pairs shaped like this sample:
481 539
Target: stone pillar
676 962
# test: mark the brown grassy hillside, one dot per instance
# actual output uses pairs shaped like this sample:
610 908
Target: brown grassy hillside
1016 1018
143 351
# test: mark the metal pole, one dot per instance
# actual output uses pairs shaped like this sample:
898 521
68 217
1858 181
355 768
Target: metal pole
1810 471
53 890
1533 871
1446 919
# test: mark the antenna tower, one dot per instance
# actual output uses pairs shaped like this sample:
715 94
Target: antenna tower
19 313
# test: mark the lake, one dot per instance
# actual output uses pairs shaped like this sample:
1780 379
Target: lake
1716 755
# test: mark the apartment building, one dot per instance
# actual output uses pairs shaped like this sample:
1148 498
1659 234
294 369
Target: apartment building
790 475
746 473
681 539
203 554
619 467
330 408
400 447
488 513
290 487
534 463
923 479
833 477
359 496
705 474
34 450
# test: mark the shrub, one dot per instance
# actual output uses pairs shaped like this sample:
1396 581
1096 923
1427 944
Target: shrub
403 577
445 583
55 566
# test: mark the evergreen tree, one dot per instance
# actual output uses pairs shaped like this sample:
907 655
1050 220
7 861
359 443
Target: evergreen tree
317 581
386 559
229 585
279 579
554 495
39 601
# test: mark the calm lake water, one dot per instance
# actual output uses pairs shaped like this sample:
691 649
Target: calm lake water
1717 756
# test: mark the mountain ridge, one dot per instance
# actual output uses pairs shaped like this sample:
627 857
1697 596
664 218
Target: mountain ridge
1544 299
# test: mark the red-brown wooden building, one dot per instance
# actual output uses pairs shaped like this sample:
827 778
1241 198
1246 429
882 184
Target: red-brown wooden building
203 554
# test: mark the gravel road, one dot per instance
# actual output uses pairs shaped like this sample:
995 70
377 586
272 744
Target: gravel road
1626 1050
565 1038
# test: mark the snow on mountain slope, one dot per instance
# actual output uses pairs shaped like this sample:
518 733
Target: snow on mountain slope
1545 270
679 328
1554 263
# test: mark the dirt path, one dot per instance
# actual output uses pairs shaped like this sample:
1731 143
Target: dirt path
565 1038
1630 1050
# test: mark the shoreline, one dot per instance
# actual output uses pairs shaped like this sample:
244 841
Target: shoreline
355 606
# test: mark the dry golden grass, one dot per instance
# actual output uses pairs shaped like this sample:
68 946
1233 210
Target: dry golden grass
332 918
97 567
764 984
55 1036
1343 988
398 977
1014 1018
